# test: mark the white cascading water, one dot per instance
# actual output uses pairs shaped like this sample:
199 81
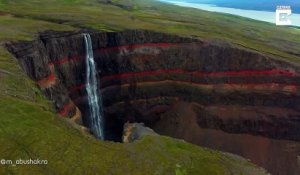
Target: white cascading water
94 98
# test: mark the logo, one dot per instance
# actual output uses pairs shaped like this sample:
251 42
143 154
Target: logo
282 15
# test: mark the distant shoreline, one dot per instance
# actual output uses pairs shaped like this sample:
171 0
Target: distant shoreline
265 16
257 5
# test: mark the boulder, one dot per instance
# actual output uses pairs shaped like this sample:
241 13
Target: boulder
135 131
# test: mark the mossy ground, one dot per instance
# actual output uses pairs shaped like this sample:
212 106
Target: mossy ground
30 129
261 36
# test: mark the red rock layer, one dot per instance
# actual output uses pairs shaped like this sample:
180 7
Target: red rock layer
204 74
66 109
47 82
110 49
50 80
256 87
244 73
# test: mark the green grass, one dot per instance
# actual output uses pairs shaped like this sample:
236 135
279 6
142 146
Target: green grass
261 36
30 129
24 29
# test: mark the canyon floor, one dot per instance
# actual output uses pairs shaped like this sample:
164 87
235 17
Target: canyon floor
30 128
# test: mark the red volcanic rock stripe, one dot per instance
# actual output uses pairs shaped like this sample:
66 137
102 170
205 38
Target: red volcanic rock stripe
66 60
136 46
198 74
48 81
132 46
202 74
265 87
76 88
245 86
66 109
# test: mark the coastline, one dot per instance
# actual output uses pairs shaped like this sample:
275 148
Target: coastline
265 16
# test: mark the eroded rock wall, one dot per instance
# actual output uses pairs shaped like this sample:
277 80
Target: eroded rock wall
143 74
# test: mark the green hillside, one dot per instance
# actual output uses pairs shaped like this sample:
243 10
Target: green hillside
145 14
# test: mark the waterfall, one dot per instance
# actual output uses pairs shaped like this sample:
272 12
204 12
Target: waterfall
94 97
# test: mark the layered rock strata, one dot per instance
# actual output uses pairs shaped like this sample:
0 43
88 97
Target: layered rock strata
143 74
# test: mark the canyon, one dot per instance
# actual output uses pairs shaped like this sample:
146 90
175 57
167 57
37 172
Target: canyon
178 86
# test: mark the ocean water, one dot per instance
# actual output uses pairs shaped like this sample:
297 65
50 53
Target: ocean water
261 5
266 16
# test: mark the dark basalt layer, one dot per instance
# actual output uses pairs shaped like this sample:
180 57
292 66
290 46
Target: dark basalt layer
143 74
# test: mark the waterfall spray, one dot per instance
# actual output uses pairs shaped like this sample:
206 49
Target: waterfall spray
94 97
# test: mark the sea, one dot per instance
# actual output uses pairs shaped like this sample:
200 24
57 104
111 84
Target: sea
249 11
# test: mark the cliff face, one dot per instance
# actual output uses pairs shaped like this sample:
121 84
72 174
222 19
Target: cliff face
144 74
